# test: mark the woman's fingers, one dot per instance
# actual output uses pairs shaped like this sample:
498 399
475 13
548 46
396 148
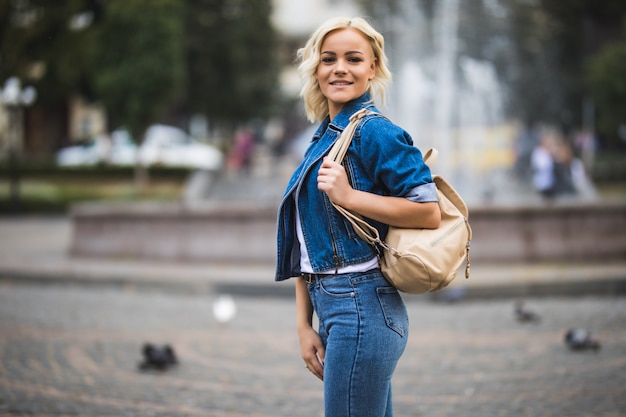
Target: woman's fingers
313 352
332 180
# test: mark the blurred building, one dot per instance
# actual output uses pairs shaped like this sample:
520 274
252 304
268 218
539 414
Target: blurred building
299 18
295 20
86 119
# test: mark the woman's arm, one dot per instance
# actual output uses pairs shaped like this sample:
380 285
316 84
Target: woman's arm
394 211
311 346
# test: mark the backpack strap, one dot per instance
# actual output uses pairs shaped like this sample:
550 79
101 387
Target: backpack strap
340 148
430 157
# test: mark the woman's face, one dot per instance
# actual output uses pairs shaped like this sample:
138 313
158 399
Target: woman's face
347 64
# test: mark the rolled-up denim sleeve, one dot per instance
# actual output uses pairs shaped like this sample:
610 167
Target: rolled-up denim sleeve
393 160
423 193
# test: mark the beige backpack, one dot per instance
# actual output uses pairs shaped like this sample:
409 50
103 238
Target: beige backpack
416 261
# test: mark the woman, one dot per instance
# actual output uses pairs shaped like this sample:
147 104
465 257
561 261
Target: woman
363 324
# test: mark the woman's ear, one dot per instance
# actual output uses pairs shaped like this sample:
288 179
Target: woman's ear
373 69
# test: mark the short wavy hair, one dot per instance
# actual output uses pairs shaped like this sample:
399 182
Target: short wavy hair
316 104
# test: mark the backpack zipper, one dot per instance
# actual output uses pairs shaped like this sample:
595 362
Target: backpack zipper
448 232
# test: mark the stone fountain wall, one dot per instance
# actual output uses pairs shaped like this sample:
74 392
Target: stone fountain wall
246 233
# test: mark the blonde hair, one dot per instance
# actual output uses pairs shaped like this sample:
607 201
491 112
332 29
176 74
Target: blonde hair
316 104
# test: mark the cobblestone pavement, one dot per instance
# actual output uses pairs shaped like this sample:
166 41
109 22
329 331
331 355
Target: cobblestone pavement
70 350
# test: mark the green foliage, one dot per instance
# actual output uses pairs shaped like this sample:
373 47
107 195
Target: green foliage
138 68
609 168
47 188
48 170
589 60
606 74
144 58
38 46
231 59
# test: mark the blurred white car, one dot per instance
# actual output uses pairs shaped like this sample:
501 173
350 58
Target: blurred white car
123 150
116 149
163 146
170 146
80 155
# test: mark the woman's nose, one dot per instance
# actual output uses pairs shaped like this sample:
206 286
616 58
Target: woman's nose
340 67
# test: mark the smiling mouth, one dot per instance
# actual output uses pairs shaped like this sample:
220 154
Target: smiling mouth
340 83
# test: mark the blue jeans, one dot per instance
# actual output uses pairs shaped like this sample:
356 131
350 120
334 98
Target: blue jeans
364 325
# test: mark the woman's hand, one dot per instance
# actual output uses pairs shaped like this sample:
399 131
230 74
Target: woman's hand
311 346
312 350
394 211
333 180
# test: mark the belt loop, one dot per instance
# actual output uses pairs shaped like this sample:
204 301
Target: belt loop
308 278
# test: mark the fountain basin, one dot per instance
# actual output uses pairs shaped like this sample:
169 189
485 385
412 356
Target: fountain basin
242 232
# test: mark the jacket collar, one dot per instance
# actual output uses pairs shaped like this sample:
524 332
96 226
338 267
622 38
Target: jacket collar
343 117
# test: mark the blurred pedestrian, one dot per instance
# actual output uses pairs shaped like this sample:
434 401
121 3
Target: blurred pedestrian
363 324
563 158
240 158
586 144
543 169
523 145
571 177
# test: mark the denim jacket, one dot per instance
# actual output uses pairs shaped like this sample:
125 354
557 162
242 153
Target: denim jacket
381 159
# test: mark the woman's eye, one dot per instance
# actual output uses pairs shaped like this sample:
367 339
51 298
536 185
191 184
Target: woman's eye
355 59
328 60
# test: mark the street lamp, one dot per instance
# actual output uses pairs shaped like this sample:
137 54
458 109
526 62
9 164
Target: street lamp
14 99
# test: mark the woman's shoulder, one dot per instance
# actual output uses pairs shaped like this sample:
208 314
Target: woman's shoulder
375 118
378 125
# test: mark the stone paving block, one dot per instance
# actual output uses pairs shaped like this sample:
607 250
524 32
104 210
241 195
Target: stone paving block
67 350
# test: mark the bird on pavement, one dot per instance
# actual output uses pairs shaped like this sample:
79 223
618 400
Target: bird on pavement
580 339
159 358
523 315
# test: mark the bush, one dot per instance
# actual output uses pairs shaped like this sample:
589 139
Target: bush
44 188
609 168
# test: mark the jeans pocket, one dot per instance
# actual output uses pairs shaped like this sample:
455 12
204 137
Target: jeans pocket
336 288
394 310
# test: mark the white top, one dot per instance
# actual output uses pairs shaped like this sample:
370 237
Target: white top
543 166
305 262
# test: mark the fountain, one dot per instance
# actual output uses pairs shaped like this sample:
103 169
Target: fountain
450 100
446 98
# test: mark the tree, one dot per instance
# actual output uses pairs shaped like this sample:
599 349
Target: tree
231 59
138 67
143 58
585 33
605 75
137 60
39 44
535 84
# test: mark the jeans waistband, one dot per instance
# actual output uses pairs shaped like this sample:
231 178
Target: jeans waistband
310 277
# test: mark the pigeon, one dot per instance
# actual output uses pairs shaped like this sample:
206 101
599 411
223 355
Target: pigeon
157 358
523 315
580 339
224 308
